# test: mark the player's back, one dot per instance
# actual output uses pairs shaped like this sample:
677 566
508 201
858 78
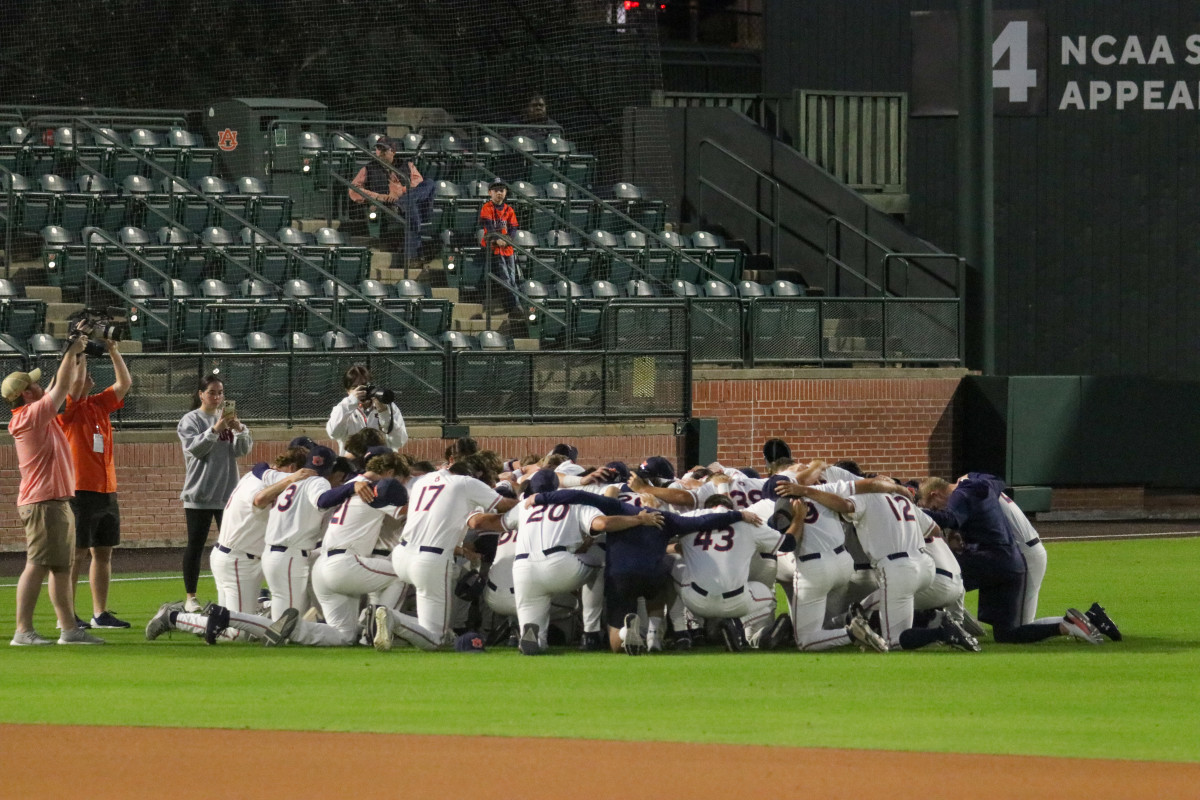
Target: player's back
244 527
295 520
354 525
719 560
1022 528
823 531
439 506
888 524
555 526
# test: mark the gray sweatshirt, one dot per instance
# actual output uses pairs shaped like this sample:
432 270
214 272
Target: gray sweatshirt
210 462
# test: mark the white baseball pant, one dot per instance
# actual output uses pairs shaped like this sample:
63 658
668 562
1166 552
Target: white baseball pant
899 581
432 575
754 605
339 582
1035 572
537 580
814 580
287 578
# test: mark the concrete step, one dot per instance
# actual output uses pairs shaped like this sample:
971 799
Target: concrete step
311 225
50 294
467 310
60 311
445 293
388 274
526 344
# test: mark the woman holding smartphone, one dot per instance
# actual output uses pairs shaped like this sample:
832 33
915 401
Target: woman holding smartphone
213 440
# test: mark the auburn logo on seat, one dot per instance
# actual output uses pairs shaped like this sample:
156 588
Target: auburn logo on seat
227 140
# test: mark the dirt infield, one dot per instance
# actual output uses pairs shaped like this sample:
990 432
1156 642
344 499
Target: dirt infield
185 763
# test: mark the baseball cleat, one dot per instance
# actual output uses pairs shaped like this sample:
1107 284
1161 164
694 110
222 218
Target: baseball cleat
383 630
733 634
860 632
591 642
971 625
635 645
779 635
281 630
954 635
217 622
1078 626
682 642
528 644
654 642
1102 622
163 621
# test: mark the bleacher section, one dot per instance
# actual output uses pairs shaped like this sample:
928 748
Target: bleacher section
221 269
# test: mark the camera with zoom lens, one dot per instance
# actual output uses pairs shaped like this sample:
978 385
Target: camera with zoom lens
385 396
96 325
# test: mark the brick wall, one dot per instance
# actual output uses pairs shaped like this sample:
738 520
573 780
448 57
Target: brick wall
150 475
895 424
900 426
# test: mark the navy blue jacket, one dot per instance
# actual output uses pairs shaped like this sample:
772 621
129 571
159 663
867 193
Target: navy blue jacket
639 550
973 510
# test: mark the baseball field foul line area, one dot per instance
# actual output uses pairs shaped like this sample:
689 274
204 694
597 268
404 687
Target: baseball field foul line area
145 762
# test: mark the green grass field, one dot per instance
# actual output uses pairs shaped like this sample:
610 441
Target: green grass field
1135 699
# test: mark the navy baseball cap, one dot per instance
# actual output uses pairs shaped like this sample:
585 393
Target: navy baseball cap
378 450
768 491
320 459
497 184
544 480
391 491
385 143
622 471
751 472
775 449
469 642
302 441
656 468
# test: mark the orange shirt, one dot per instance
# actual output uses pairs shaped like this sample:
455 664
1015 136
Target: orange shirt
43 455
82 422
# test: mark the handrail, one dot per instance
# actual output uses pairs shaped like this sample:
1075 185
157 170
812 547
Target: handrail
269 237
174 122
9 216
904 257
833 226
77 111
774 223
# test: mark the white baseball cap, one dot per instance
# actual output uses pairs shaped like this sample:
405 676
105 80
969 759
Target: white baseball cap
18 382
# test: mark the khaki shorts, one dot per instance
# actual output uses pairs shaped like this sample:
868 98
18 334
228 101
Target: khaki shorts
49 533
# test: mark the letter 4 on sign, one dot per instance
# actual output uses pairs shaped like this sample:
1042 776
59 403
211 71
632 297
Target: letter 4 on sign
1018 78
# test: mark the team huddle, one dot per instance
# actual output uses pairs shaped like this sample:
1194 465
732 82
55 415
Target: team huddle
378 549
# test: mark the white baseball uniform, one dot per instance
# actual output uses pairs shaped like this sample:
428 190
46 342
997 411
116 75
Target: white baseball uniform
236 559
1032 549
347 570
499 593
744 491
545 562
892 532
294 528
712 574
438 508
823 567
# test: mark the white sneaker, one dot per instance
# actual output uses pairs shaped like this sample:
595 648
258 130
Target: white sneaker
191 606
29 638
383 630
654 642
78 636
635 645
860 631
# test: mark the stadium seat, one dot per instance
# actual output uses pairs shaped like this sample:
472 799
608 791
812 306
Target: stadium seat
8 289
572 290
44 344
260 341
373 289
338 340
299 289
493 340
640 289
415 341
218 341
138 289
684 289
717 289
605 289
381 340
752 289
456 340
783 288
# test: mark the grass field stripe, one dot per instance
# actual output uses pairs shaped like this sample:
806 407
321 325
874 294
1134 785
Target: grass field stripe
1107 537
82 582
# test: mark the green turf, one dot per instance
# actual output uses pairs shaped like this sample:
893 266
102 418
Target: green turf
1136 699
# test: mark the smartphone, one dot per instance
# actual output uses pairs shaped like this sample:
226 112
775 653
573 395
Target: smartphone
230 409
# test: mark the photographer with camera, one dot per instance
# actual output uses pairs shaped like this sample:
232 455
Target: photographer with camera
88 427
365 406
213 439
47 484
